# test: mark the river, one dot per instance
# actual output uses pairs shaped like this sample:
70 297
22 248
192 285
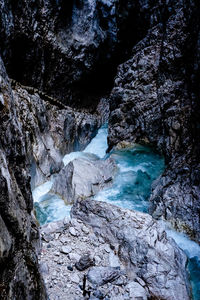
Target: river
138 167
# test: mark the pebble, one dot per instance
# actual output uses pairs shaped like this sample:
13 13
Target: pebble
74 256
85 229
72 231
114 260
97 260
107 248
44 268
75 278
101 240
66 249
57 236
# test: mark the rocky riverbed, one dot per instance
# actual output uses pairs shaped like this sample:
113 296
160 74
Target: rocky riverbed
105 252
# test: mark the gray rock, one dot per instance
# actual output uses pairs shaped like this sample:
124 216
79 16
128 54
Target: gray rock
72 231
83 178
66 249
19 235
102 275
75 278
143 248
136 291
150 104
74 256
98 294
44 268
114 260
85 262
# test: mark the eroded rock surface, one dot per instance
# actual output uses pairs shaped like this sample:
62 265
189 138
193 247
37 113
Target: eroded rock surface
141 245
131 254
51 129
19 237
83 178
154 101
62 47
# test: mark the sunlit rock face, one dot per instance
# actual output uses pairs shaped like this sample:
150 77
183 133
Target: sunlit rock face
51 130
154 101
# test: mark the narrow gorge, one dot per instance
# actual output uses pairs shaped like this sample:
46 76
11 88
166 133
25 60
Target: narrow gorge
99 148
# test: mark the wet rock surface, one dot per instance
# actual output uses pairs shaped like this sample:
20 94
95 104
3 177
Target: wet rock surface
83 178
128 252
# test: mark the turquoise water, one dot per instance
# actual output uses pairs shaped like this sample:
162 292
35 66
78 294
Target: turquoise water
138 166
49 207
194 275
192 250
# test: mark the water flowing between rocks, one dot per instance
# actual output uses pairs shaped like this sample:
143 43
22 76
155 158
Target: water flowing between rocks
138 166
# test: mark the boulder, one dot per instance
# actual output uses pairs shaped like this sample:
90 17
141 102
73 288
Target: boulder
102 275
147 255
83 178
85 262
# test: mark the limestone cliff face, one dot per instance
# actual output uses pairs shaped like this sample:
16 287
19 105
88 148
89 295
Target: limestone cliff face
69 51
19 237
155 101
51 130
36 132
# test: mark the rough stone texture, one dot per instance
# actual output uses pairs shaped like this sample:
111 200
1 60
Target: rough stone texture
83 178
63 48
102 275
52 129
141 245
63 280
85 262
154 101
131 254
19 237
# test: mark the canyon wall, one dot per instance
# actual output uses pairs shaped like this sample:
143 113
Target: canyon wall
155 101
19 237
68 53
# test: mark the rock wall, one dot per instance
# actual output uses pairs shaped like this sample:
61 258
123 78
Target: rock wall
64 48
36 132
19 237
155 101
69 52
51 130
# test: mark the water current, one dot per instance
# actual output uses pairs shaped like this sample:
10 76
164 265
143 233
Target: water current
138 167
